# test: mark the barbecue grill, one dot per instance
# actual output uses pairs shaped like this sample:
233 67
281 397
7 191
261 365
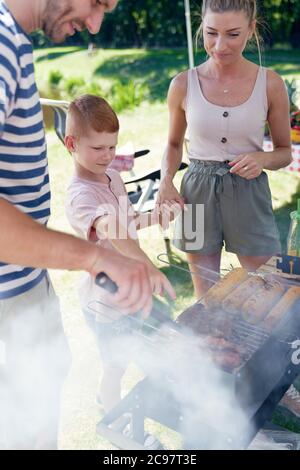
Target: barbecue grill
269 362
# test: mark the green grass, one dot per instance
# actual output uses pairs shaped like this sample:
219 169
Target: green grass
152 68
146 127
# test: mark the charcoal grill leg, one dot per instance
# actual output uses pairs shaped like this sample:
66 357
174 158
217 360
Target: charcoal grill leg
133 404
138 418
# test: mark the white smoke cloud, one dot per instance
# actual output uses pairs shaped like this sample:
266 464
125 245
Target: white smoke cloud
176 364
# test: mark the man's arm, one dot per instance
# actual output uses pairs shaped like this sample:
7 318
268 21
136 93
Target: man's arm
25 242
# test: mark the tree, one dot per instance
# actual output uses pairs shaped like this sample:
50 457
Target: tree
149 23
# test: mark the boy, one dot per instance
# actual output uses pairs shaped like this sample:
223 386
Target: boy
99 210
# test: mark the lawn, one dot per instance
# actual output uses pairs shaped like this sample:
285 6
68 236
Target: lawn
152 69
146 126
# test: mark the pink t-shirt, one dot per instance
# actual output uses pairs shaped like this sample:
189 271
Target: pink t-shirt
86 201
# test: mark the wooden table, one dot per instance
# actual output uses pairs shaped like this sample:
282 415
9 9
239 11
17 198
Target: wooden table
271 267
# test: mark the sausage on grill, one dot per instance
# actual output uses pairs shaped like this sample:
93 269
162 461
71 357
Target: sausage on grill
215 295
255 309
218 343
228 359
282 307
234 300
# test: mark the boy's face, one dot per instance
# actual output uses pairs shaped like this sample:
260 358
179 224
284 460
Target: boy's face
95 151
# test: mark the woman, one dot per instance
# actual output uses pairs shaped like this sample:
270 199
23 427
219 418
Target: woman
224 103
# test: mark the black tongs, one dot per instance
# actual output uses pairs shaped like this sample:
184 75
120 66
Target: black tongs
104 281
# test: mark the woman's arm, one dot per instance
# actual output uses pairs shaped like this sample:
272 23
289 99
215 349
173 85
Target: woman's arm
173 152
177 126
279 123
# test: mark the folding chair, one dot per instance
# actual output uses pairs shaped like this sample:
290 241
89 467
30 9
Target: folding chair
60 109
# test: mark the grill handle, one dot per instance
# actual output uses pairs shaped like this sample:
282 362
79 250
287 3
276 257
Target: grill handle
104 281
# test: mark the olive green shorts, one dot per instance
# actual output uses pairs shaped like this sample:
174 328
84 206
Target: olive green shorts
225 208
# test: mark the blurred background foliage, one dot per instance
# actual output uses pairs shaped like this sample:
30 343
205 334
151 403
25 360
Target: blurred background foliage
148 23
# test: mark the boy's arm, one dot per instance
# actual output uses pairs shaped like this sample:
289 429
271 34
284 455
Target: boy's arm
146 219
157 216
119 237
111 227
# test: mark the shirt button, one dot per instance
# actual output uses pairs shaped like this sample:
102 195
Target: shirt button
224 140
225 114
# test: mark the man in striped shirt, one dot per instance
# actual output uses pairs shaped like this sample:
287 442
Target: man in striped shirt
33 351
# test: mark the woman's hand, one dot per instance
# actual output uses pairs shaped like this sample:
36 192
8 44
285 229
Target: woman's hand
166 212
168 192
248 166
168 200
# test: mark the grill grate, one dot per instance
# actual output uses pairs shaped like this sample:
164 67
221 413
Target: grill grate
250 338
242 337
257 384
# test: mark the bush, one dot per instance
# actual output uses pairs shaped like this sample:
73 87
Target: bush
127 96
54 78
291 87
122 96
74 86
94 88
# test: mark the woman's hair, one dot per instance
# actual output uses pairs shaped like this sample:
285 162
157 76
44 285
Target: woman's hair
221 6
90 112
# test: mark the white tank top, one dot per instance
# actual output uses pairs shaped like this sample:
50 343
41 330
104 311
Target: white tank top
222 133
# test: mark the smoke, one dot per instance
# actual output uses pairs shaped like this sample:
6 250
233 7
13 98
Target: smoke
178 370
35 360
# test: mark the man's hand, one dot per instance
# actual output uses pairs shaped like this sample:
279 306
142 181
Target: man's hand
132 278
248 166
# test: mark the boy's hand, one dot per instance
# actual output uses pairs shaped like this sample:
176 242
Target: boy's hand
160 283
167 212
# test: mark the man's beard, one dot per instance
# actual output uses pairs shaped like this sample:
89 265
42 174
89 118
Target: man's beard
52 23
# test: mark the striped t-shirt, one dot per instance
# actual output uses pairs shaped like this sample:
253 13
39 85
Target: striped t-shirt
24 180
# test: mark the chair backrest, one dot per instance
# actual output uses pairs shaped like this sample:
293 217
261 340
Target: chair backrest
60 109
